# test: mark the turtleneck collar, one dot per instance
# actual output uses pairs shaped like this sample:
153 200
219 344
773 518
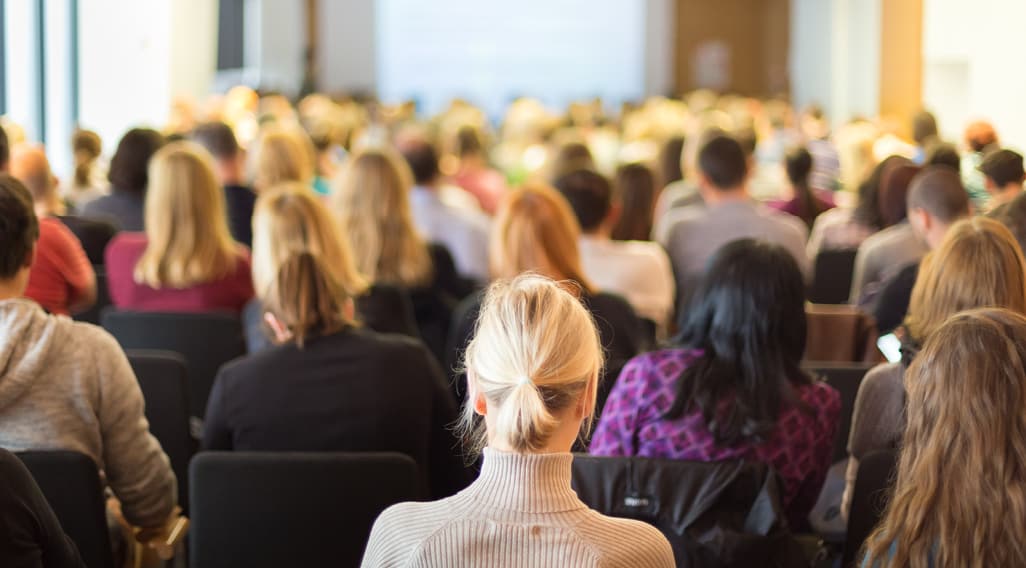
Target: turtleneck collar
527 483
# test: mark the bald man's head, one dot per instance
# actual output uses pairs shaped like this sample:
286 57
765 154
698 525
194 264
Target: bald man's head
30 166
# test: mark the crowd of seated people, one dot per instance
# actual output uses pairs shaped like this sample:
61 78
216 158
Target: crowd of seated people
376 261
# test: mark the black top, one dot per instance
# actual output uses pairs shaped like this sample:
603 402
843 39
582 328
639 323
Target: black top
30 535
239 203
94 234
384 309
122 208
894 297
353 391
433 305
620 331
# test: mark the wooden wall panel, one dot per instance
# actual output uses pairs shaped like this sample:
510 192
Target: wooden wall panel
756 33
901 60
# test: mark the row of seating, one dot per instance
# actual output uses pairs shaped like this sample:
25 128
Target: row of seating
317 509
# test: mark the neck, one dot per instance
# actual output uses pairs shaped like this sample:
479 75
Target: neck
14 287
601 233
229 172
1008 192
535 483
733 195
50 206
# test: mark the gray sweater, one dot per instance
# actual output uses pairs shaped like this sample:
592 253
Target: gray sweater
68 386
521 512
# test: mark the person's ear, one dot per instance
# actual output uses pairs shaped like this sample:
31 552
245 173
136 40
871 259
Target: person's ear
30 258
280 330
473 394
583 403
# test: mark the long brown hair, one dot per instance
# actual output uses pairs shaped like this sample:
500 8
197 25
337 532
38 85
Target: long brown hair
978 265
960 498
372 201
305 298
536 231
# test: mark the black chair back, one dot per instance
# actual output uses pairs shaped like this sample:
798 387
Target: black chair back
291 509
70 481
846 378
206 341
832 275
713 514
92 315
163 379
874 485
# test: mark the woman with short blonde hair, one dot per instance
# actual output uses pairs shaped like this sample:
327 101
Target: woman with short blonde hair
536 231
978 265
186 260
534 366
279 155
290 219
960 495
372 200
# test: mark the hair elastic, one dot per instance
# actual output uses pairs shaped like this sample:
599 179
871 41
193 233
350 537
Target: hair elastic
524 380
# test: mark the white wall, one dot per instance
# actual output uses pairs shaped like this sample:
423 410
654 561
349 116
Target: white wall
136 57
971 65
835 56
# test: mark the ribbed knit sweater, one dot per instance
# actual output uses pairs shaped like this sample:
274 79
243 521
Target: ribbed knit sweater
521 512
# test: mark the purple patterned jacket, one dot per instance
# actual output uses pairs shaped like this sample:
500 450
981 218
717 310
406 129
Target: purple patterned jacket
799 450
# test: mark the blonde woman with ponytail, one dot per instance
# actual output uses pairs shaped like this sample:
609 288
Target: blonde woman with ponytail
533 369
329 385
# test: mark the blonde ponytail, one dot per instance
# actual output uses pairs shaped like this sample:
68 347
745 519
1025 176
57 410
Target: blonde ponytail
535 353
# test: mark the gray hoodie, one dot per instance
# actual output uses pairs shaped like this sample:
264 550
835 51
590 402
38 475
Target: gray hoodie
68 385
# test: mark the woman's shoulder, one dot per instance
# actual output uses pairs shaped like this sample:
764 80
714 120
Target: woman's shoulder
125 245
822 397
627 542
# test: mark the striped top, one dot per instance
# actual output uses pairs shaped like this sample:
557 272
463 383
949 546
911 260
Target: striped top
521 512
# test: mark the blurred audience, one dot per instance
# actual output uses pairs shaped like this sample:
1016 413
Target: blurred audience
88 182
230 165
636 192
129 179
1003 177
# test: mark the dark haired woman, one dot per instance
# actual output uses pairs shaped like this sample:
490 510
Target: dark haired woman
636 191
806 204
129 179
732 387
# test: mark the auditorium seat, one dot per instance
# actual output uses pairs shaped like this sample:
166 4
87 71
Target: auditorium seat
713 513
832 275
291 509
206 341
873 487
163 379
70 481
92 315
846 378
840 333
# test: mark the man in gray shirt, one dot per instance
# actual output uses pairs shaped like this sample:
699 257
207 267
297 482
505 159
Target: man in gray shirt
694 234
66 385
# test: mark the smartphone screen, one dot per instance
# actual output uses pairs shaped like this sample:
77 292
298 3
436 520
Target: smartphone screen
890 346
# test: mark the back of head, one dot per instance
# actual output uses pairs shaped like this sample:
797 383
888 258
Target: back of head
281 155
468 142
29 164
422 159
129 167
570 157
186 225
86 147
635 189
798 164
290 219
965 395
670 161
943 154
939 191
536 231
590 196
979 135
978 265
924 127
748 319
1013 216
1003 167
19 229
534 355
371 199
305 299
893 195
218 138
722 161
